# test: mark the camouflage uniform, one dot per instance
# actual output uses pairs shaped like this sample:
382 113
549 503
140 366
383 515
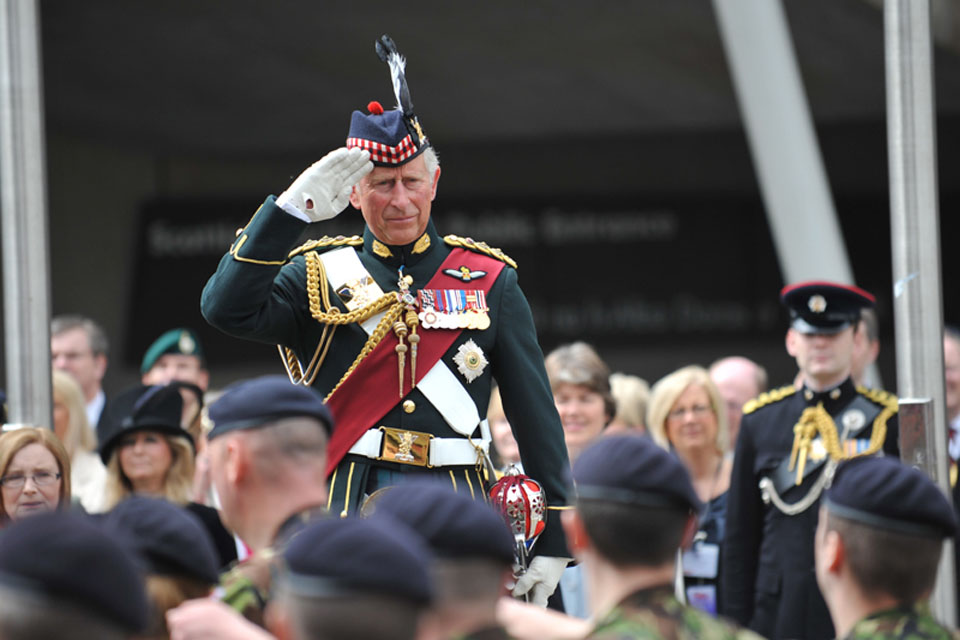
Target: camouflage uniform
908 623
656 613
246 587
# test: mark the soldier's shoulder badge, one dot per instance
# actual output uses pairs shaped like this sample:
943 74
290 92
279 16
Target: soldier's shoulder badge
879 396
326 242
768 398
479 247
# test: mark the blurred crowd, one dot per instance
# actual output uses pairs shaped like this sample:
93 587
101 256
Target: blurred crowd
156 513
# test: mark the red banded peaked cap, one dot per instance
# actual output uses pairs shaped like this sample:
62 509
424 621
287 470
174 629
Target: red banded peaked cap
824 307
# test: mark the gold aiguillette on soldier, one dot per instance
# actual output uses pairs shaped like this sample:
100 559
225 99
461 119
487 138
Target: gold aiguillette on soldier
453 309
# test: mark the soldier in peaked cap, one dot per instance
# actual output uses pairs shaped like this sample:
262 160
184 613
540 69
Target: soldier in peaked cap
790 443
268 451
629 490
401 330
878 544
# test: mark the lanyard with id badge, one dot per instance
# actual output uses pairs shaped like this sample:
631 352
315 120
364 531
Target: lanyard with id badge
702 560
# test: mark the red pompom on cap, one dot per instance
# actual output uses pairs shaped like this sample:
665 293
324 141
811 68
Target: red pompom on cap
375 108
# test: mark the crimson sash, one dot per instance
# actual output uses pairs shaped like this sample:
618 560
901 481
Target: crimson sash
368 394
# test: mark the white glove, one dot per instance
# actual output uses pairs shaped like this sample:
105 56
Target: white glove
323 190
541 579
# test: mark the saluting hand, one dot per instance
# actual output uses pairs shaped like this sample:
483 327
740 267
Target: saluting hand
323 190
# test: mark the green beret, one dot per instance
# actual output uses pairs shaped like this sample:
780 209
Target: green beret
179 341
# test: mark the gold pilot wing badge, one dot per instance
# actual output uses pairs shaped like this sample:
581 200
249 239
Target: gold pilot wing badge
464 273
470 360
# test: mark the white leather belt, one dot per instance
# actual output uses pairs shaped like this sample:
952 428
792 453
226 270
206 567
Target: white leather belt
442 452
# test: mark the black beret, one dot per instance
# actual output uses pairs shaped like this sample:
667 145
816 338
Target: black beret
170 539
824 307
66 556
141 408
634 470
887 494
249 404
182 342
334 557
453 525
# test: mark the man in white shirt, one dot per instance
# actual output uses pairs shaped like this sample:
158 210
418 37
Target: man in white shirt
79 346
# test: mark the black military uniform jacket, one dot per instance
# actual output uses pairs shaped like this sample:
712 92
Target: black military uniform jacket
259 292
768 582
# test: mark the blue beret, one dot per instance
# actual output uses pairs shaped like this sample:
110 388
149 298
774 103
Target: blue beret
141 408
170 539
887 494
179 341
334 557
453 525
249 404
634 470
65 555
824 307
391 138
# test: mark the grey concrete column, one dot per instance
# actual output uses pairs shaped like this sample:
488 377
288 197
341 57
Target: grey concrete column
23 210
915 236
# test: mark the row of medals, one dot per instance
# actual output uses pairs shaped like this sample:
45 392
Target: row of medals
471 318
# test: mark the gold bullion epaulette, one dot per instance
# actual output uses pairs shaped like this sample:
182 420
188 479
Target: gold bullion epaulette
769 397
479 247
880 396
327 241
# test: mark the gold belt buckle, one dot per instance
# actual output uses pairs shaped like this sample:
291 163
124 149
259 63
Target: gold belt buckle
406 447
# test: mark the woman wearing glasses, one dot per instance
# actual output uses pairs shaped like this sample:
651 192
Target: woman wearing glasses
687 415
34 473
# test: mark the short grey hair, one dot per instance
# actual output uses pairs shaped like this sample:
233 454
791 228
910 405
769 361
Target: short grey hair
95 333
431 159
298 443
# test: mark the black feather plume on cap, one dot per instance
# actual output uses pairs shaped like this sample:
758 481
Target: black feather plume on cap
388 53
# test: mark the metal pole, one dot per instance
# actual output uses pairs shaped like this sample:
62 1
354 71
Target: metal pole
915 234
782 141
24 216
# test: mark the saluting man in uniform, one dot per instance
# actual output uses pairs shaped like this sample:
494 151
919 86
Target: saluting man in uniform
402 330
790 443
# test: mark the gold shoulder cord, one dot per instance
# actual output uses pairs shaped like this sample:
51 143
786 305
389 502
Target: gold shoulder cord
768 397
816 420
324 312
479 247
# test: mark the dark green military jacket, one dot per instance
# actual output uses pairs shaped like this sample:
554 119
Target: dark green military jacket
259 292
904 623
656 614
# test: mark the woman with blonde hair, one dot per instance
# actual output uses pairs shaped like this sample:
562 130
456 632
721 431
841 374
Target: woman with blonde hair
148 452
144 448
87 474
34 473
687 415
631 394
